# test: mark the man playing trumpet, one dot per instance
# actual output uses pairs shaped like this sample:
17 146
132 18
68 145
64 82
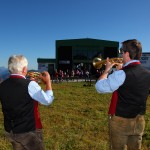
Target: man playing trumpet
19 98
130 87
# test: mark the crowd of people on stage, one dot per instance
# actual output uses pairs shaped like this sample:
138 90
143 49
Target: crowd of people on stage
61 75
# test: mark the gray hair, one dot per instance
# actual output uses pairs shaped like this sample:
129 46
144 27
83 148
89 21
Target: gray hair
16 63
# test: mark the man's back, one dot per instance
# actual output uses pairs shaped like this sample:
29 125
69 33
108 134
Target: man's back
17 105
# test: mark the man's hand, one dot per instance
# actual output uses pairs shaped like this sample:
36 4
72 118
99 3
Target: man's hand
45 77
119 66
108 66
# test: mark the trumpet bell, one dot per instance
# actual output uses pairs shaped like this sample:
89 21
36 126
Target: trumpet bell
97 63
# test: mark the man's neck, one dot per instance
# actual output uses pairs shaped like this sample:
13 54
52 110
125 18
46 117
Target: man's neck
130 61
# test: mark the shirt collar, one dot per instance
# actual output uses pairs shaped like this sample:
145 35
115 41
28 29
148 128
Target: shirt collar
126 64
17 75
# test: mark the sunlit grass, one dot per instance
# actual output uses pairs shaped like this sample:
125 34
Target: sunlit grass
76 120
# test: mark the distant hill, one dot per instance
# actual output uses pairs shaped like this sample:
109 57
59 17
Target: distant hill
4 73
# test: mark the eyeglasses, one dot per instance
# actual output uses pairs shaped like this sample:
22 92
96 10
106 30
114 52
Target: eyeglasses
121 50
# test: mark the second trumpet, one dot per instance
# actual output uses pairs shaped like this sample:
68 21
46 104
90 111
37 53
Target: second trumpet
35 76
98 62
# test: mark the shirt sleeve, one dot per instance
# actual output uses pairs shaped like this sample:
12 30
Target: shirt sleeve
112 83
43 97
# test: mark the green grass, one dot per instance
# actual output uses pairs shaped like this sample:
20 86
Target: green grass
76 120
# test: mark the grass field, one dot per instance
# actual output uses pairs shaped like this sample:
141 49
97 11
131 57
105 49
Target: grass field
76 120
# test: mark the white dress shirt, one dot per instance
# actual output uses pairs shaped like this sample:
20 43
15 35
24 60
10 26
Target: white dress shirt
113 81
43 97
36 92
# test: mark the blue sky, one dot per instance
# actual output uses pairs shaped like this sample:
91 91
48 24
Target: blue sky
31 27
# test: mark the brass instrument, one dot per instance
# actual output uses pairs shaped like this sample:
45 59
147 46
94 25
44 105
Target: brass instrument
35 76
98 62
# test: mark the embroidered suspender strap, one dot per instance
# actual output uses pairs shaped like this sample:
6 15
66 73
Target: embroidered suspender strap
112 107
37 116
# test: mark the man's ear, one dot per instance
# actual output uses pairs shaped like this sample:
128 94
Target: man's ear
24 70
128 55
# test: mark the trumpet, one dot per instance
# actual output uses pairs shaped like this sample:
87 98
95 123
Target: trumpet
34 75
98 62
